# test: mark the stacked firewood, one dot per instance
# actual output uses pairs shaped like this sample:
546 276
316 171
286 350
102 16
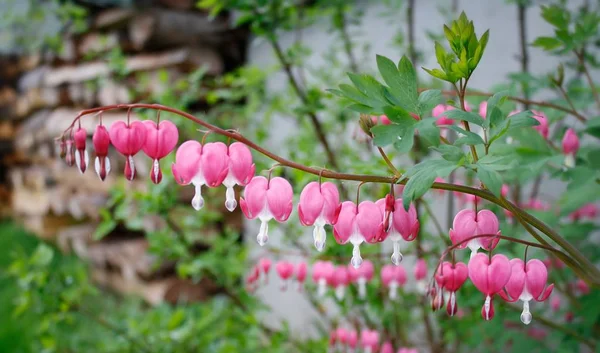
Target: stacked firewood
41 94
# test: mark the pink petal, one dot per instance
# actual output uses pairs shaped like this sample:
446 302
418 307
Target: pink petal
311 203
187 162
346 222
240 163
255 197
537 276
498 273
369 220
478 272
332 201
280 198
214 164
516 283
161 139
128 140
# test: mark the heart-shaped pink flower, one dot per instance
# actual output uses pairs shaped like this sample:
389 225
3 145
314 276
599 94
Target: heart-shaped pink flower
527 282
241 171
128 140
81 158
101 142
451 277
319 205
361 275
340 280
468 224
393 276
161 139
402 224
285 270
369 340
489 277
322 274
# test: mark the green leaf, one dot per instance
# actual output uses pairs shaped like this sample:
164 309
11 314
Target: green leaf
468 138
490 178
361 108
429 131
427 100
494 114
368 86
458 114
354 94
104 228
406 141
546 43
407 85
496 162
523 119
593 127
42 256
399 116
401 93
450 153
384 135
422 177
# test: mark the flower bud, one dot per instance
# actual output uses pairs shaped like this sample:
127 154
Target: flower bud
366 123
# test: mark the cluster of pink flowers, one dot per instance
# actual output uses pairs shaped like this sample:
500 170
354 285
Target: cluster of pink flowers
156 140
343 340
287 271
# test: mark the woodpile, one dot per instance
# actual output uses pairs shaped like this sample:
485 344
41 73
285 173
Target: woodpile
124 57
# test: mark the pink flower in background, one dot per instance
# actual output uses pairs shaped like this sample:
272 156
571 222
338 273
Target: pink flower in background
101 142
322 274
400 224
387 347
504 190
555 303
483 109
267 199
393 276
81 158
543 128
570 146
340 280
369 340
357 225
408 350
589 211
489 277
361 275
527 282
264 266
352 339
438 112
451 277
582 287
300 274
161 139
384 120
252 279
467 224
285 270
420 270
128 139
319 205
536 204
240 171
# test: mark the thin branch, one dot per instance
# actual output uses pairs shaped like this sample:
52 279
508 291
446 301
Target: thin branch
410 21
570 102
524 57
436 223
588 76
591 273
389 163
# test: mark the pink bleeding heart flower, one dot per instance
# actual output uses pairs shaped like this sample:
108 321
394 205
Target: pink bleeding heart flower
527 282
267 199
403 224
384 120
101 142
570 146
241 170
361 275
483 109
504 190
387 347
555 303
264 265
393 276
589 211
352 339
285 270
369 340
300 274
128 139
70 152
451 277
200 165
161 139
322 274
340 280
582 287
489 277
358 224
319 205
252 279
542 128
342 337
407 350
82 158
420 270
467 224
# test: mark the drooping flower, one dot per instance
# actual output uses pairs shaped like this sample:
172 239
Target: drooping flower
555 303
570 146
361 275
384 120
438 112
70 152
322 274
264 265
420 274
450 277
582 287
369 340
352 340
101 142
467 224
489 277
402 224
407 350
527 282
319 205
300 274
240 172
82 158
340 280
542 128
589 211
128 139
161 139
387 347
200 165
393 276
252 279
267 199
358 224
285 270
